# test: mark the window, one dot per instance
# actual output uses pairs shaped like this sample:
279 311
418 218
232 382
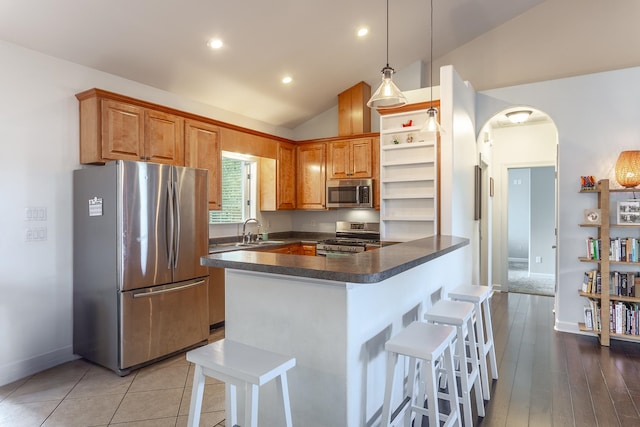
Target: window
238 190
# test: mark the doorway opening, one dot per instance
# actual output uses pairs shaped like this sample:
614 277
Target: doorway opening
531 230
529 148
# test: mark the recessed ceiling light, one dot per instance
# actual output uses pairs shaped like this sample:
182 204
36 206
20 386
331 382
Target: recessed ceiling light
287 79
214 43
363 31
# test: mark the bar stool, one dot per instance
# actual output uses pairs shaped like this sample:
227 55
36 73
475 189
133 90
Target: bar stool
428 343
460 315
480 296
238 365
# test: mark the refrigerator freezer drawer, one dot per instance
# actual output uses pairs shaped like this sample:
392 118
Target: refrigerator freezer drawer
161 320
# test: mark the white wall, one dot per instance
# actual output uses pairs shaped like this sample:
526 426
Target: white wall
39 140
458 158
596 117
519 210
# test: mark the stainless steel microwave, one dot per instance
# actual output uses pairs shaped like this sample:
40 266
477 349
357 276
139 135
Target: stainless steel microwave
350 193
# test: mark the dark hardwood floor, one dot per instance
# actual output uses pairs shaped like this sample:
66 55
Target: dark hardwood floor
549 378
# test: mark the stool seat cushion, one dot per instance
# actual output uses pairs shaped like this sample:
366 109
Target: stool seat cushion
247 363
471 293
421 340
450 312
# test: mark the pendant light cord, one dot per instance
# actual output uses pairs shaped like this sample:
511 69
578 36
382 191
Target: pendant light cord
387 33
431 56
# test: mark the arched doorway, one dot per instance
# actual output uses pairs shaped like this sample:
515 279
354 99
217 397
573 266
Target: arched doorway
519 180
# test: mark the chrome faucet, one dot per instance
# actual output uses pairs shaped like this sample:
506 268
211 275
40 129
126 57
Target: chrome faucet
246 238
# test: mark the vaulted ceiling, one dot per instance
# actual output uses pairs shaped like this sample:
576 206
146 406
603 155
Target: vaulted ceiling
163 44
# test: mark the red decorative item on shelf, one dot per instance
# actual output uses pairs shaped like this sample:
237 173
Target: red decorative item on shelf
409 123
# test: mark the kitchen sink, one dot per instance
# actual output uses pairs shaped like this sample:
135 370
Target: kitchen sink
226 247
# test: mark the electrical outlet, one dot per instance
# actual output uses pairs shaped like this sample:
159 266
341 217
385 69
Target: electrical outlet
313 223
538 259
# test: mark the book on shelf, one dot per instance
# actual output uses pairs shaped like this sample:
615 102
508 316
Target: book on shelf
591 282
624 318
624 283
594 248
588 317
624 249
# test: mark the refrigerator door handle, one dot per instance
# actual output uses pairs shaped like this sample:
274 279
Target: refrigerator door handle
176 236
170 225
164 291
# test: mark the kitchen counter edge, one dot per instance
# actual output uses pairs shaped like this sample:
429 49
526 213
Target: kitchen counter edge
365 267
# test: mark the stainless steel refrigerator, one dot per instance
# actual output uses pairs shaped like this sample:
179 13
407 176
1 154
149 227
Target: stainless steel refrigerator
139 291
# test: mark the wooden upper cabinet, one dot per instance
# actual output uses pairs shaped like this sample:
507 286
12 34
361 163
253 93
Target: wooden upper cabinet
376 172
286 176
202 150
112 128
163 141
354 117
350 159
311 179
122 131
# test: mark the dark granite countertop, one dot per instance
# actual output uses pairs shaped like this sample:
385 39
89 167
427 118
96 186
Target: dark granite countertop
365 267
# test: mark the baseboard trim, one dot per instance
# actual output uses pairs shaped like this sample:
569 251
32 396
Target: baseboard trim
570 327
23 368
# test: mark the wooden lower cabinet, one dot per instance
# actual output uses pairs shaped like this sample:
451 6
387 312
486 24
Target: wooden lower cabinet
294 249
216 295
307 249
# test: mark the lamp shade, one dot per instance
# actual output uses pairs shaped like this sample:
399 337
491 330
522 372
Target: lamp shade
388 95
628 169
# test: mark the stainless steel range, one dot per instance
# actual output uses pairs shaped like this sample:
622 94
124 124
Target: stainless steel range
351 237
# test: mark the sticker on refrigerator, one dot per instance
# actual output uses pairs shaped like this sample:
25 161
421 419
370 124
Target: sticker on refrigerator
95 206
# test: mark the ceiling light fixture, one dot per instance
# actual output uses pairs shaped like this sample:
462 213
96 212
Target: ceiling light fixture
214 43
431 125
519 116
363 31
628 169
287 79
387 95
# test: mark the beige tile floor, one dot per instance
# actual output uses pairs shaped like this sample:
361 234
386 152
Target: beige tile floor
79 393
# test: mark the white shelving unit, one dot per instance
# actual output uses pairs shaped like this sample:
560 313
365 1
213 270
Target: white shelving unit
408 177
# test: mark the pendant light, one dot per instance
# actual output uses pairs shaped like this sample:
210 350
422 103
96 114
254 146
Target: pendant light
387 95
431 125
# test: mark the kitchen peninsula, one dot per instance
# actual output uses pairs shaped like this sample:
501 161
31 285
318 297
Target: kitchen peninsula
335 315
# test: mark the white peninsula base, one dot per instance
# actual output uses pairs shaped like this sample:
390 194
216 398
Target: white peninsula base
336 331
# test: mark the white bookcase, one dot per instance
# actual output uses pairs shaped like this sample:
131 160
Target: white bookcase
408 177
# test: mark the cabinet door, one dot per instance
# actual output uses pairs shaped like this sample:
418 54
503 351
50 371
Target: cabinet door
375 173
311 176
308 250
202 150
164 142
286 176
361 155
339 163
122 131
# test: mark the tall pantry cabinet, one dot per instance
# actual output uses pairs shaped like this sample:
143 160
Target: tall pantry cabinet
408 175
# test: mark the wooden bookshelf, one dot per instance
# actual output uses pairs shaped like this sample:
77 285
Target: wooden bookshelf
604 235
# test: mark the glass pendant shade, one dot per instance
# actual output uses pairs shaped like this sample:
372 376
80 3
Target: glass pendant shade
431 125
628 169
387 95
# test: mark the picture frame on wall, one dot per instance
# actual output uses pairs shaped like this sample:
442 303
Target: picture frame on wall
628 212
592 217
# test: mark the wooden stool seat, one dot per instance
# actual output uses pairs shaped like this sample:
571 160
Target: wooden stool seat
429 343
238 365
480 297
